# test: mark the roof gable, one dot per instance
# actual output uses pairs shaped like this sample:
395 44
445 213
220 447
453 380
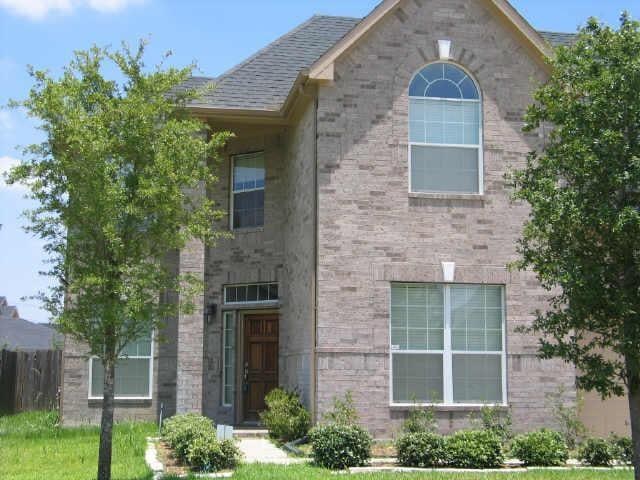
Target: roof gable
265 83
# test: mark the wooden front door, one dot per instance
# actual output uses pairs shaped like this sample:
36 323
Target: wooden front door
260 365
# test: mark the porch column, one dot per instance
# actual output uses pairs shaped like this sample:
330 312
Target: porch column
191 336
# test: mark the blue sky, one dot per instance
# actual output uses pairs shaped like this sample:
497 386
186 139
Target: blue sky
216 34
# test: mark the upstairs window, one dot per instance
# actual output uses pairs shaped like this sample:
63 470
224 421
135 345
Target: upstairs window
445 131
247 197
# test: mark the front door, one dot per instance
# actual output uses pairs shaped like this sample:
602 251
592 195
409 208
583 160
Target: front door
260 365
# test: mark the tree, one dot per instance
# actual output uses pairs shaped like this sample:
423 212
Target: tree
582 238
116 181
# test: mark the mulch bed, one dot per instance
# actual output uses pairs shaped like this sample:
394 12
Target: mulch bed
172 466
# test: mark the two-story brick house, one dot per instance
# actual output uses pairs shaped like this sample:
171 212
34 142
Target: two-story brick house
372 229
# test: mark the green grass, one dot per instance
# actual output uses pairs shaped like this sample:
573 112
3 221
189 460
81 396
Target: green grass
34 447
297 472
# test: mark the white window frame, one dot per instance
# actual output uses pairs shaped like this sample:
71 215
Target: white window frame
133 357
253 303
233 192
232 315
479 147
448 352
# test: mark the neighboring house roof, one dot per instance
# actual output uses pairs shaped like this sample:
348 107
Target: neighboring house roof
264 82
19 334
558 39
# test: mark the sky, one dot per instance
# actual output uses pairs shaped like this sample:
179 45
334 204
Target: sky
216 34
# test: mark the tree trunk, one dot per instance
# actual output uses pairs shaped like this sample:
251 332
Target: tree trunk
106 425
634 413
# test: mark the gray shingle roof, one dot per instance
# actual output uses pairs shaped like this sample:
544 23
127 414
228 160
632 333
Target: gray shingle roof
19 334
558 39
263 81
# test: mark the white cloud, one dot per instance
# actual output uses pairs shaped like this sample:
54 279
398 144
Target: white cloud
6 122
39 9
6 163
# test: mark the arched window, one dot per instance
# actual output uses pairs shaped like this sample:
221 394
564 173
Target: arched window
445 131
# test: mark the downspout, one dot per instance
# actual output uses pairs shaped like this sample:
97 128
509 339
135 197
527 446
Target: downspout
314 383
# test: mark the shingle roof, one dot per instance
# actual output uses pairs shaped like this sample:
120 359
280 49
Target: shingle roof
263 81
558 39
20 334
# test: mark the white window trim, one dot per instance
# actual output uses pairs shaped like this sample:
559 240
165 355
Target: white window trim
479 146
233 192
447 356
252 303
133 357
231 314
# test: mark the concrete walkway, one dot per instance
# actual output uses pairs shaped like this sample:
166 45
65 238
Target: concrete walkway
261 450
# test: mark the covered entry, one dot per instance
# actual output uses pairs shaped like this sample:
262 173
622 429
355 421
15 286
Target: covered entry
250 349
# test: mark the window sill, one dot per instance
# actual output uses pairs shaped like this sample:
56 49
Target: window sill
123 400
247 230
448 196
402 407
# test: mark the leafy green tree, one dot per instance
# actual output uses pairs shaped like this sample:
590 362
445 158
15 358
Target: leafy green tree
118 181
583 235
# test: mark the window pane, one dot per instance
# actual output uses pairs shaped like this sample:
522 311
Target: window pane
229 327
131 378
263 292
444 169
248 172
476 318
417 317
477 378
248 209
417 377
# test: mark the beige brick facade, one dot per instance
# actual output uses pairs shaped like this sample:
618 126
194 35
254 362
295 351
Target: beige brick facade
348 160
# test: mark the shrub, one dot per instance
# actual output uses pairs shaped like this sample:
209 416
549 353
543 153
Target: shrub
544 448
344 411
596 452
421 449
180 430
567 417
420 420
622 448
338 446
496 420
474 449
285 417
208 454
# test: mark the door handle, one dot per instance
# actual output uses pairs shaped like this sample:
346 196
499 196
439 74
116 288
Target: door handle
245 375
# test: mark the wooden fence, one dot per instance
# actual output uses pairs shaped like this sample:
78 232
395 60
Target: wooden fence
30 380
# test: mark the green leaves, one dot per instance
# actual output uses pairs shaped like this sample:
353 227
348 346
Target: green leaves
121 181
582 236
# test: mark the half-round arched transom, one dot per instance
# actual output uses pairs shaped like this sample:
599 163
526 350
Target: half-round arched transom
443 80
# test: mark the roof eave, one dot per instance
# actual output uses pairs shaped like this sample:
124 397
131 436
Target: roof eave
280 116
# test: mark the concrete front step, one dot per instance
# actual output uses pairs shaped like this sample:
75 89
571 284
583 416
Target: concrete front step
250 432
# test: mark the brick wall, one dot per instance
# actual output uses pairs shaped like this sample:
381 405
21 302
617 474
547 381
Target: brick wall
371 231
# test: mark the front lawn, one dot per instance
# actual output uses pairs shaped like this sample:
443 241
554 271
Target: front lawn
297 472
34 447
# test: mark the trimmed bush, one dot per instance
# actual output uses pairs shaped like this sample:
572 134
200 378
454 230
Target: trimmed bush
208 454
180 430
420 420
474 449
285 417
622 448
596 452
338 446
544 448
421 449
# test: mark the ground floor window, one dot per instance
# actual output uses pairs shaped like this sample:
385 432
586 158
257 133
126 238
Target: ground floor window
133 372
447 344
228 357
